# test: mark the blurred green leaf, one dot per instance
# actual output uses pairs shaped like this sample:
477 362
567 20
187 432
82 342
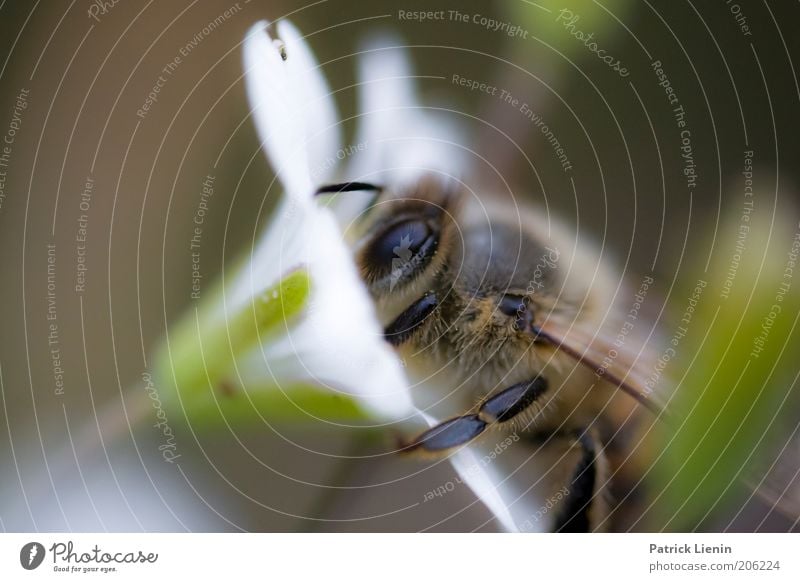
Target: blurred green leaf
730 369
196 366
586 16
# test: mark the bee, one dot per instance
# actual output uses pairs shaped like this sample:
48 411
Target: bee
516 319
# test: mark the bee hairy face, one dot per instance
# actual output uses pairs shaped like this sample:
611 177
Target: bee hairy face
504 283
486 286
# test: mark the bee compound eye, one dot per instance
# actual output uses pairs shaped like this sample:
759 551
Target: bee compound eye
402 249
406 237
512 305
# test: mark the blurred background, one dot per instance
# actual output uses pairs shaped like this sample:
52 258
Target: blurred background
99 188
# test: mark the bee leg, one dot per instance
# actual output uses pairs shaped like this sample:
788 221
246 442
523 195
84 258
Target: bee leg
448 434
585 506
512 401
404 325
496 410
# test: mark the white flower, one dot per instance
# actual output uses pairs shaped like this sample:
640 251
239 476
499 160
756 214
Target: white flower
338 343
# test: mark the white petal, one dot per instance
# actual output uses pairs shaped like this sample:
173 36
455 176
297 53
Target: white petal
296 120
321 120
276 110
404 139
522 484
484 482
388 77
339 343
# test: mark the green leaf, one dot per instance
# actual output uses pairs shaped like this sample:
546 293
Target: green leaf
730 374
196 365
259 403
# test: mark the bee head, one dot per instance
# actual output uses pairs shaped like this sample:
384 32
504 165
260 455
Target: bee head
506 279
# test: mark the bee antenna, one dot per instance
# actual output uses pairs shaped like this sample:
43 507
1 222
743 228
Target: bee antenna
348 187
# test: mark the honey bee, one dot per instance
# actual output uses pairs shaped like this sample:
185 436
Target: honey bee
517 319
